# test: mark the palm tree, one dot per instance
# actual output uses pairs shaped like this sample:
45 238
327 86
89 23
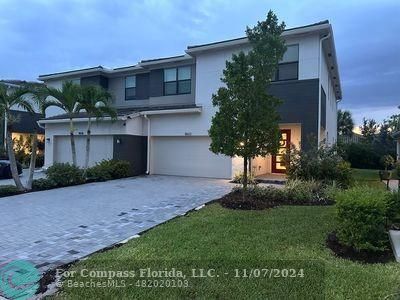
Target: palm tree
8 100
345 123
41 104
96 102
67 100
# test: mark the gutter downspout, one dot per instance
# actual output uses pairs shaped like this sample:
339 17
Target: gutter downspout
148 143
319 86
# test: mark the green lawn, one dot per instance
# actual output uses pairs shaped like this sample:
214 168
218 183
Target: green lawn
227 239
368 177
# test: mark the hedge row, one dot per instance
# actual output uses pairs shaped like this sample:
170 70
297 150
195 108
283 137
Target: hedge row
65 174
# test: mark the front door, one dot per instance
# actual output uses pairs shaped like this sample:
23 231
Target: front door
278 161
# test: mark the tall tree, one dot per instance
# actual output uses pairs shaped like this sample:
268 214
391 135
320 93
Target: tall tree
345 123
96 102
41 103
67 98
10 98
246 123
369 128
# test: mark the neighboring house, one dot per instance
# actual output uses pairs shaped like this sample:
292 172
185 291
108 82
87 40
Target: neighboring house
165 107
396 136
23 123
354 138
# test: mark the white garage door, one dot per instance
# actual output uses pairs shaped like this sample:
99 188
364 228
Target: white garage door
101 147
188 156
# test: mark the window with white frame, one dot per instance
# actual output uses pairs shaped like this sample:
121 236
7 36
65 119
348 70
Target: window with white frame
288 67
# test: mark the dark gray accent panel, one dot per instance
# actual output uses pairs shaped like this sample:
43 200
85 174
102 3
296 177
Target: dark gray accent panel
25 122
323 108
142 86
95 80
300 105
132 148
156 83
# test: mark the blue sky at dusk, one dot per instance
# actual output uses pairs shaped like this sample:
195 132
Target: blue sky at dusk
45 36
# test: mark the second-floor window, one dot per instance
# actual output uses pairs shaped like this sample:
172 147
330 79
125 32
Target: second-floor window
177 80
130 88
288 68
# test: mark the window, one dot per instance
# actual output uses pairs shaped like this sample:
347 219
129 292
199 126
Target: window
288 68
177 81
130 88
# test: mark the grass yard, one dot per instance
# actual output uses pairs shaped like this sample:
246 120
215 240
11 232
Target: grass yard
244 238
368 177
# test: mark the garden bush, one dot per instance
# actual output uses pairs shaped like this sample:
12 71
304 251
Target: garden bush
362 214
322 164
43 184
295 192
109 169
8 190
238 178
64 174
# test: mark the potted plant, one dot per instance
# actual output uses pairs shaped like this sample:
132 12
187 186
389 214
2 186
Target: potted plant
387 161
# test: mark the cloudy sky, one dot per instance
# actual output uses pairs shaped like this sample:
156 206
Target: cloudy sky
45 36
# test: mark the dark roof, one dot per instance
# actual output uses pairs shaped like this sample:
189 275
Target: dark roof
71 71
124 111
162 58
25 122
20 82
242 38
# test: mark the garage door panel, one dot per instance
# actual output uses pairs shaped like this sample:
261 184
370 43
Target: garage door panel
188 156
101 147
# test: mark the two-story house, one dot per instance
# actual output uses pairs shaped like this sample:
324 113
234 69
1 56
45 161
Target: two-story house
165 108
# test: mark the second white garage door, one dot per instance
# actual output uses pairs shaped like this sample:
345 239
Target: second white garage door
101 147
188 156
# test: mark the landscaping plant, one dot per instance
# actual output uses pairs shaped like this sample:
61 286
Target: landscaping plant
362 215
96 102
109 169
64 174
246 121
319 163
9 99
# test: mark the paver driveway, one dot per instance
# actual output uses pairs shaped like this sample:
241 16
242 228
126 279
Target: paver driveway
54 227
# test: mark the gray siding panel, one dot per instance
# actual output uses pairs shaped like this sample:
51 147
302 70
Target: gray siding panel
300 105
95 80
142 86
132 148
323 108
157 83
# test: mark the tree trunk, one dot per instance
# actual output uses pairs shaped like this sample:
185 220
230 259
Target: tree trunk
250 170
32 164
245 161
13 163
73 149
88 145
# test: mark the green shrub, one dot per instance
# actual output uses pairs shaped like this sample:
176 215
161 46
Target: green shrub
322 164
393 213
312 192
8 190
43 184
109 169
387 161
65 174
362 215
238 178
361 155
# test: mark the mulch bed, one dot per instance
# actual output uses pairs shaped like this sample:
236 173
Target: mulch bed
234 200
364 256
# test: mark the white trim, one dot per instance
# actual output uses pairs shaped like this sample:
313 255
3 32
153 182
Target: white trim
172 111
320 85
53 121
